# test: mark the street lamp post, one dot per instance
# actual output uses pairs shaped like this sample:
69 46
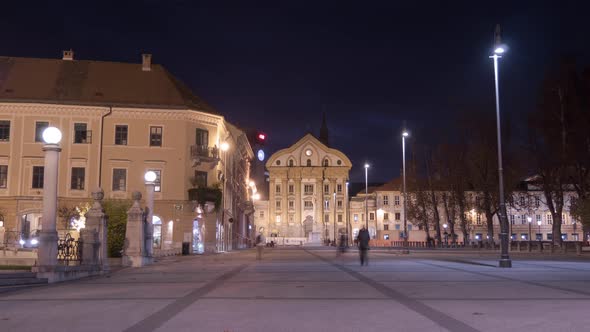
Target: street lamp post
349 226
366 196
150 184
334 202
530 220
540 234
47 253
405 249
446 235
505 260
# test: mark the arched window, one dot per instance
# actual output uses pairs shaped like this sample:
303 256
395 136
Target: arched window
157 234
326 163
290 162
308 162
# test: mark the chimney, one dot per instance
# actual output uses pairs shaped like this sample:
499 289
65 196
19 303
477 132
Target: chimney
146 64
68 55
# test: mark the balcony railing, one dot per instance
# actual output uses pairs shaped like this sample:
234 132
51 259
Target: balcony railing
204 151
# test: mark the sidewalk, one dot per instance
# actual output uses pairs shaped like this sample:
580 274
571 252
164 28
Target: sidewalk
313 290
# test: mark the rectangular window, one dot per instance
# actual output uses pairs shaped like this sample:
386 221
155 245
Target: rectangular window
523 220
549 236
202 138
371 216
326 218
397 227
278 218
339 218
356 217
81 134
200 180
291 189
339 188
121 132
78 177
327 204
386 216
4 131
158 181
308 189
308 205
327 188
278 188
385 236
537 202
38 177
39 127
291 205
563 220
385 227
3 176
513 236
155 136
524 236
396 200
478 218
339 204
549 219
278 205
385 200
512 219
539 236
119 179
539 219
398 216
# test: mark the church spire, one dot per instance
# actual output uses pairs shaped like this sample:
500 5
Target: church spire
324 131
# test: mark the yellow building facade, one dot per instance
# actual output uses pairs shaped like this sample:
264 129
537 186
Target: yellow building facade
118 121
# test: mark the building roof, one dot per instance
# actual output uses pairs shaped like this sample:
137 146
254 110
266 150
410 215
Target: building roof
101 83
392 185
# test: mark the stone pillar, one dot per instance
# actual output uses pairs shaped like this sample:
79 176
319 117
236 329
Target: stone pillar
149 226
94 235
48 236
135 254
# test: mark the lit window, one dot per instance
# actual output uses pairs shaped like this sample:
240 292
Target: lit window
121 132
155 136
158 181
119 179
291 189
81 134
371 216
78 177
339 188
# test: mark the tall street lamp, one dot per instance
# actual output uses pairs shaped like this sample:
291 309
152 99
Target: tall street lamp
224 148
366 196
150 184
504 257
405 249
47 253
540 234
530 220
348 225
334 202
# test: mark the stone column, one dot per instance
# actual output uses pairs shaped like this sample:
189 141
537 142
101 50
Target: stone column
47 254
94 235
149 226
135 254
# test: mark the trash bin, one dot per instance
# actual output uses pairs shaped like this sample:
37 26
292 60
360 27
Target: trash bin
186 248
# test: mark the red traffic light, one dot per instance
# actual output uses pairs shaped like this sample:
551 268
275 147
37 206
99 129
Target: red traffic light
261 136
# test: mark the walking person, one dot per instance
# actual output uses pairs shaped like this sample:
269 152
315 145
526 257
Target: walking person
260 242
363 243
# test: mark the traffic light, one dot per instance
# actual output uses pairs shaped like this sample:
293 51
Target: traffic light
260 138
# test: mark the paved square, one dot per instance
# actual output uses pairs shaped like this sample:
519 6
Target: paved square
315 290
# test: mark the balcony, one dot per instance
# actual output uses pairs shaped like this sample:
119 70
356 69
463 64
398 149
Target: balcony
206 194
204 157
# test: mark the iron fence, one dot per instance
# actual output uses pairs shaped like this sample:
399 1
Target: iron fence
69 250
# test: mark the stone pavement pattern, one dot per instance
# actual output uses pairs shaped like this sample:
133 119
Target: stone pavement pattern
313 290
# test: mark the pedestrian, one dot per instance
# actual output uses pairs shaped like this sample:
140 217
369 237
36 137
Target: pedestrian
363 243
260 242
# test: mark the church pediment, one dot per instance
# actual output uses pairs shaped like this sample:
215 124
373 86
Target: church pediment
308 151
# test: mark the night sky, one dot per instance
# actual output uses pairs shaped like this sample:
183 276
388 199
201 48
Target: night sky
278 65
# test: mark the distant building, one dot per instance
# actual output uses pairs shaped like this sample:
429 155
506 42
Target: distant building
307 194
118 121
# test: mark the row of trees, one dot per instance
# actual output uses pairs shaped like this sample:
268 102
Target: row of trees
449 178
